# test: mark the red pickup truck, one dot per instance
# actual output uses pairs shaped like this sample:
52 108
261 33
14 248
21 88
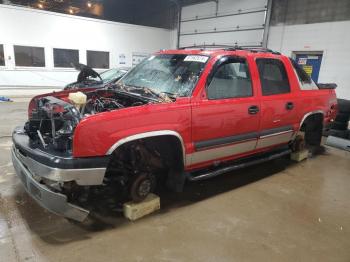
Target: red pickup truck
179 115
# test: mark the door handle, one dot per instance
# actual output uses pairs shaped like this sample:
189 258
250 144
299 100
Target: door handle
253 110
289 105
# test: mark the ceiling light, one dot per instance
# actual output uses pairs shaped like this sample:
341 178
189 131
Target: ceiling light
89 4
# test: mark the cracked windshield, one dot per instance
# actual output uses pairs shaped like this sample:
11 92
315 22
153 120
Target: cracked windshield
169 74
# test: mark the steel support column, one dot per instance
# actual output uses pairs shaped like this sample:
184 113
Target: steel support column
267 23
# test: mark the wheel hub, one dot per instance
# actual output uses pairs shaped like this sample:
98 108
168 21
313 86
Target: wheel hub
144 188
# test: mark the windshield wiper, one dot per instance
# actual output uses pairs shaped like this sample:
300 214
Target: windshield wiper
146 90
169 94
162 95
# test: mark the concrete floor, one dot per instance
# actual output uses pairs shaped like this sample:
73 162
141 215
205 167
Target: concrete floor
278 211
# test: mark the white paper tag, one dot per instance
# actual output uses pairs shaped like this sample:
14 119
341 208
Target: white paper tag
196 58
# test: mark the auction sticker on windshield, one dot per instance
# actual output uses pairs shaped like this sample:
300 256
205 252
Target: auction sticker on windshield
196 58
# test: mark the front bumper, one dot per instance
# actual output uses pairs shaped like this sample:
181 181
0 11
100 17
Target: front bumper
54 202
35 166
85 171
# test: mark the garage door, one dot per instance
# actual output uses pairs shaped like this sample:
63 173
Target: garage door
225 22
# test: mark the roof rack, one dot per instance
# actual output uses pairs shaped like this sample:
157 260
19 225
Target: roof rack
255 49
204 46
262 50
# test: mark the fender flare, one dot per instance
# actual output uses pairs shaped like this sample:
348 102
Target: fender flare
147 135
309 114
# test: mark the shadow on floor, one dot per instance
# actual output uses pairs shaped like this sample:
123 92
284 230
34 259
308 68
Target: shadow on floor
56 230
201 190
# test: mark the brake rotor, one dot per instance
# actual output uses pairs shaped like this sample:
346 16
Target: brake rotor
142 186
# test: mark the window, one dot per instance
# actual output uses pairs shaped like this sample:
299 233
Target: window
273 76
97 59
65 57
2 57
305 81
29 56
231 79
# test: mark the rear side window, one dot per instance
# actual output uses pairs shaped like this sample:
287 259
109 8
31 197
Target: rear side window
273 76
230 80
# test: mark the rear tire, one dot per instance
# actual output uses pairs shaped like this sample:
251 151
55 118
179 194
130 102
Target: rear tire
340 125
342 117
313 133
344 106
340 133
313 128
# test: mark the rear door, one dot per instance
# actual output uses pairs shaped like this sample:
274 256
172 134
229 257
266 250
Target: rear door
225 121
278 112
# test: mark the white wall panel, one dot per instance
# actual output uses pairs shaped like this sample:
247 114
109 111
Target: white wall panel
23 26
332 38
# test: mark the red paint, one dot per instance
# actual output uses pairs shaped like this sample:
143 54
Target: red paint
196 118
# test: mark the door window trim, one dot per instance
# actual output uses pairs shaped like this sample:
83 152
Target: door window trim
288 78
225 60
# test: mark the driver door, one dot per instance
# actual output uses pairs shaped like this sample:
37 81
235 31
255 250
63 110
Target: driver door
225 123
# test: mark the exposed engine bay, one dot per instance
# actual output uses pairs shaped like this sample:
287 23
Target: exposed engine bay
53 120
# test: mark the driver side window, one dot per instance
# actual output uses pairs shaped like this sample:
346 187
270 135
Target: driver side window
230 80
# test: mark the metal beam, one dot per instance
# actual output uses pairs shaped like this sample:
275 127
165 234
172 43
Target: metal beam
179 26
267 23
178 4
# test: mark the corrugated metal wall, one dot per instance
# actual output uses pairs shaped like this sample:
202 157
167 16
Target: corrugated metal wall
294 12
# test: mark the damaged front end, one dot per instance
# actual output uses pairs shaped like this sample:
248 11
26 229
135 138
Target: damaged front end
52 123
42 151
52 120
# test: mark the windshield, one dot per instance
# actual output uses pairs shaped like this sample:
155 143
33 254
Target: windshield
112 74
174 74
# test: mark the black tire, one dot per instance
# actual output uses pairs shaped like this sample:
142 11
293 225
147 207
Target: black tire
342 117
313 133
344 106
340 133
339 125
